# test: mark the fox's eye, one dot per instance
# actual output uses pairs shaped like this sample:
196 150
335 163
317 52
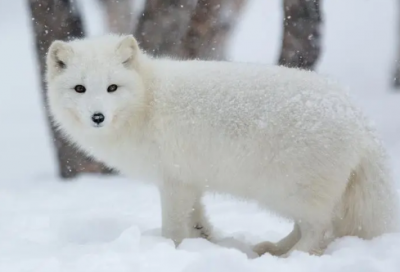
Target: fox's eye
80 89
112 88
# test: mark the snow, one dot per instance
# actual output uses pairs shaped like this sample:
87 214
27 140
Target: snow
113 224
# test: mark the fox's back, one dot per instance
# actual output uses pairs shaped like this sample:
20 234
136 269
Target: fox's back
253 97
246 117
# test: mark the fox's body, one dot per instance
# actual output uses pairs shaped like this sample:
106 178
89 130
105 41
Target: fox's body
288 139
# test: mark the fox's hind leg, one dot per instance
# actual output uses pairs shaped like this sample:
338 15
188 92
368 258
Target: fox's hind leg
304 237
281 247
313 238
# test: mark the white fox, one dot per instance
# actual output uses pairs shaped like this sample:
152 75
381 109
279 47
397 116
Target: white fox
289 139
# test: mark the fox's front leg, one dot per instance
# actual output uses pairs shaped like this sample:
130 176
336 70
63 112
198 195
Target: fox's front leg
200 226
177 202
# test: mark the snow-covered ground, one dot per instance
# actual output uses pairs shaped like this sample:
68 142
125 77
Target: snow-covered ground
113 224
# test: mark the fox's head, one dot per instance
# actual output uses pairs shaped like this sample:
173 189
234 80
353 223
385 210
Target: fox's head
94 85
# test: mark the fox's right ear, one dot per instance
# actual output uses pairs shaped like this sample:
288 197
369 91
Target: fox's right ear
58 56
127 50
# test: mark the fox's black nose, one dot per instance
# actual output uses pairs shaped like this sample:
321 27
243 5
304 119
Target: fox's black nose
98 118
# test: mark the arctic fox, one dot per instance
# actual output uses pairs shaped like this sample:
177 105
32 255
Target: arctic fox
288 139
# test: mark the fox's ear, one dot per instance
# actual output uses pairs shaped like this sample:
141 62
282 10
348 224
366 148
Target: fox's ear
127 50
58 55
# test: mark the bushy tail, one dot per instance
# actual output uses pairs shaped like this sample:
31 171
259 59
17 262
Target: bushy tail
370 204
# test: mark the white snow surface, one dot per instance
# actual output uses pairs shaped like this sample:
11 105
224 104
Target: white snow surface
113 224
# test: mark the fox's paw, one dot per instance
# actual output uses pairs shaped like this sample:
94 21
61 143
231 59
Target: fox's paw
199 231
312 252
268 247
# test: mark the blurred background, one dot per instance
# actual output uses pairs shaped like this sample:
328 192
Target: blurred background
49 223
355 42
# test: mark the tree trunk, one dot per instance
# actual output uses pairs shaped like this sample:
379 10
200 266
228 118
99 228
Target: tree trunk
396 72
209 28
396 75
51 20
162 25
119 15
301 44
188 29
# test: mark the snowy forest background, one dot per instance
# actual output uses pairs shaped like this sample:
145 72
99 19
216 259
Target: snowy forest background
59 212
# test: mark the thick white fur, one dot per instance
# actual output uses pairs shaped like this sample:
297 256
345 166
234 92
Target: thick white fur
288 139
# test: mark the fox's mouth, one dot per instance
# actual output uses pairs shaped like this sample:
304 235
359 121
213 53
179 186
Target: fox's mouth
97 125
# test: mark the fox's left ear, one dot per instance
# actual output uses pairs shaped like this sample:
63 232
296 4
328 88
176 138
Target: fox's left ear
128 49
58 57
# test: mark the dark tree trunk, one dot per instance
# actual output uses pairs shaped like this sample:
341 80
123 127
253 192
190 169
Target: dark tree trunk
301 44
162 25
119 15
396 72
396 75
187 29
209 28
51 20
